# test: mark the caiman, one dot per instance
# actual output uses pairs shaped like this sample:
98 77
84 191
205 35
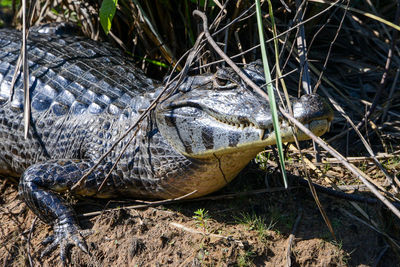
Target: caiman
85 95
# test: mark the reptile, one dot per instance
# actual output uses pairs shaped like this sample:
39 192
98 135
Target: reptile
86 94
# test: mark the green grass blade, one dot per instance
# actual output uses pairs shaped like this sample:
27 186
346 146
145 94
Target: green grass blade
270 91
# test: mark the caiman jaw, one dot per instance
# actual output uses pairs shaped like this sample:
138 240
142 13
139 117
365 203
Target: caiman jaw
266 135
198 132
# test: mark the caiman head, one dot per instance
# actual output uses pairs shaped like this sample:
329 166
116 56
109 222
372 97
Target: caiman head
219 114
218 117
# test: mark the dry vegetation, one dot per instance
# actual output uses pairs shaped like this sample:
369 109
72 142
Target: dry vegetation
353 59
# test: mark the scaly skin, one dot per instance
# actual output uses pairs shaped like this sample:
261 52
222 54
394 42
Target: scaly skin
84 95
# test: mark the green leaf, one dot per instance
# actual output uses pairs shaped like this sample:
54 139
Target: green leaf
107 12
6 3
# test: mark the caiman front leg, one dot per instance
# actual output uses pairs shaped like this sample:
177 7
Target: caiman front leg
40 188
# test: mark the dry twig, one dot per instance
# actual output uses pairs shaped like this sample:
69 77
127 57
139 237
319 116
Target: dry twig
291 239
194 231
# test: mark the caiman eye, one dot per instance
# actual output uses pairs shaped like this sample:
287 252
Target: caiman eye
221 81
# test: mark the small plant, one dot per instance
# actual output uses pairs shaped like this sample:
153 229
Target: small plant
342 256
326 168
254 222
363 166
245 259
262 160
201 216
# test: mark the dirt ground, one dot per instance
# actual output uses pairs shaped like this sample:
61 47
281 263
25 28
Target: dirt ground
251 229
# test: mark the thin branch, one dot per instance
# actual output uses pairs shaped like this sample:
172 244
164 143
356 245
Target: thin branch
330 47
150 204
302 51
28 242
394 242
291 238
194 231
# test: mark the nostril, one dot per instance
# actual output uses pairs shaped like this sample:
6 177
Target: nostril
304 97
308 97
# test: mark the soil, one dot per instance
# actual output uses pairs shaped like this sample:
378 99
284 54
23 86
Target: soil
244 230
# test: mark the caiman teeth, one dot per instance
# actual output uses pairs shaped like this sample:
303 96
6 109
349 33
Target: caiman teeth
261 132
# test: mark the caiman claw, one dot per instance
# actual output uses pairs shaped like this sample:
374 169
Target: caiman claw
65 236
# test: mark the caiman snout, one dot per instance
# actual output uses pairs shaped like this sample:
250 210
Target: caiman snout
306 109
312 107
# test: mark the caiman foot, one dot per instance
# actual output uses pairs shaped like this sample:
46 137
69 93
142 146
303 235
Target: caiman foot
66 236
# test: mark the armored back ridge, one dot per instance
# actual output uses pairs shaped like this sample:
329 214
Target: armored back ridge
85 95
